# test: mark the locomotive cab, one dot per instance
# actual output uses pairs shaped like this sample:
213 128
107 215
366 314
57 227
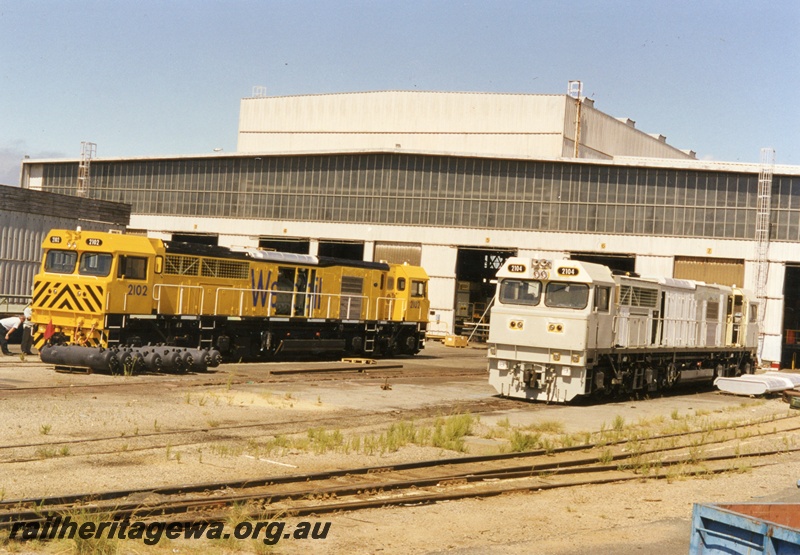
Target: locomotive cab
86 275
741 319
407 293
547 318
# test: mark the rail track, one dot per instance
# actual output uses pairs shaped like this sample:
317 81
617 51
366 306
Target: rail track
182 437
256 374
732 447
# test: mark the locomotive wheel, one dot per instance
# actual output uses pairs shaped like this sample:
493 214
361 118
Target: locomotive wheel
671 374
357 345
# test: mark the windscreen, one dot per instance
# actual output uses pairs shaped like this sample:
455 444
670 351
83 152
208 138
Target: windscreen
60 262
566 295
95 264
518 291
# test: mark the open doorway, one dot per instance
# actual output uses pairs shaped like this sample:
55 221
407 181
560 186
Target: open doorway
790 351
476 270
618 263
296 246
197 238
348 250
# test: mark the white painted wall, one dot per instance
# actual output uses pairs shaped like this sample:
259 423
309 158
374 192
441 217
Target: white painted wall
654 265
486 124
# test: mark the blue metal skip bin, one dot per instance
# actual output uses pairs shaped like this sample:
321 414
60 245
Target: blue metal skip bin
746 528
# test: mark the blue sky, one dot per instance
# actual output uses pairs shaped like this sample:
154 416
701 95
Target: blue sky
155 77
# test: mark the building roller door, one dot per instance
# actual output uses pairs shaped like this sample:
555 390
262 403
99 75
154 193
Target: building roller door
397 253
724 271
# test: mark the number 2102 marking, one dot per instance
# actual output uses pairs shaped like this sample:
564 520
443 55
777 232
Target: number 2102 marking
137 290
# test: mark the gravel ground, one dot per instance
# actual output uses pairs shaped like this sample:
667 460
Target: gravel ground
139 451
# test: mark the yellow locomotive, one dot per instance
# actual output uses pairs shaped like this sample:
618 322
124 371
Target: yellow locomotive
111 291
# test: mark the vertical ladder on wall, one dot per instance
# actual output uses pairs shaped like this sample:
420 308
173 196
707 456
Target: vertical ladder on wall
88 151
763 209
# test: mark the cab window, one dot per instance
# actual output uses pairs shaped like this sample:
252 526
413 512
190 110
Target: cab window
60 262
95 264
132 267
401 284
566 295
517 291
417 288
390 283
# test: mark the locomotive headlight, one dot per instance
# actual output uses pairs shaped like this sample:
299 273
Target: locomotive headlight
556 356
576 358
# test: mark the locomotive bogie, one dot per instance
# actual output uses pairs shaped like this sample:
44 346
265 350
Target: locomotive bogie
562 330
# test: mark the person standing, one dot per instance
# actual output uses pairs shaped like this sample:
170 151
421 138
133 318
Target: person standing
9 325
27 332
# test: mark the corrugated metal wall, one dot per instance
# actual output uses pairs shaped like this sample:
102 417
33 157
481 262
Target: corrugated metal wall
710 270
604 136
26 217
21 237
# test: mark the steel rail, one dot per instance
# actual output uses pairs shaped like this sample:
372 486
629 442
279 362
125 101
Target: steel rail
476 407
357 368
39 513
558 467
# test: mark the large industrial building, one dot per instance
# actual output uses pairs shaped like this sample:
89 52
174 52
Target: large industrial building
457 182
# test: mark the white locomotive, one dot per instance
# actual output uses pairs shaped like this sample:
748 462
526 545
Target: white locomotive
566 329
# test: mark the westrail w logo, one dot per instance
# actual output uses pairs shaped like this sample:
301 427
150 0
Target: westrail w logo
260 292
262 289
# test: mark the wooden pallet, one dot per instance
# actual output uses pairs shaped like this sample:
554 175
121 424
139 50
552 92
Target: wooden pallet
352 360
